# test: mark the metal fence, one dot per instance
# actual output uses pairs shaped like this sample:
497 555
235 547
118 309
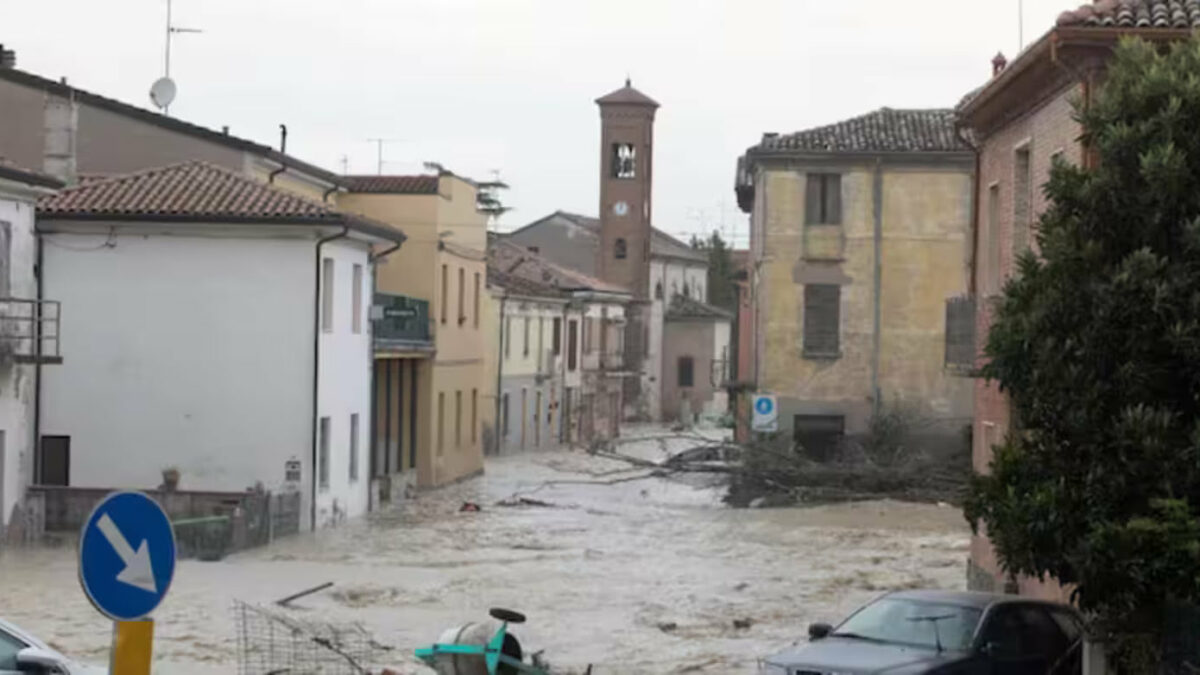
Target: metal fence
271 641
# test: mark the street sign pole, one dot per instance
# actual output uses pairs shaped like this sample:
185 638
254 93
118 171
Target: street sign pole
133 642
126 564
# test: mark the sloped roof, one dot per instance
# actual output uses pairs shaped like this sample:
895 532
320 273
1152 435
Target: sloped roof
884 130
687 308
511 260
627 95
661 243
1174 14
171 123
28 177
200 192
400 185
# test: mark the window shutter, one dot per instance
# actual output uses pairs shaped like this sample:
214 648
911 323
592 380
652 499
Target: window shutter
833 199
960 333
822 318
812 200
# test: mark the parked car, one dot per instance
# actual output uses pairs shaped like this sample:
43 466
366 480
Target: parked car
23 654
943 632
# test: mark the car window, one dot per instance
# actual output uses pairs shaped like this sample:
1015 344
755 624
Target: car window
1043 637
1005 632
908 622
9 646
1068 623
1024 631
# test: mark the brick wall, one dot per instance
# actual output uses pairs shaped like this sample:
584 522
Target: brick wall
1046 131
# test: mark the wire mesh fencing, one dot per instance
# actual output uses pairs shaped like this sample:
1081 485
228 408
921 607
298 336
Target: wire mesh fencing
277 642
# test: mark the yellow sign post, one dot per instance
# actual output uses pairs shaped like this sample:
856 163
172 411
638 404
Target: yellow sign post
132 642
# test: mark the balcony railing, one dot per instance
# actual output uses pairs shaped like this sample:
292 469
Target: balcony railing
30 331
401 322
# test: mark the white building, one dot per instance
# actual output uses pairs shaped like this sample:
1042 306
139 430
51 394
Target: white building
220 327
21 352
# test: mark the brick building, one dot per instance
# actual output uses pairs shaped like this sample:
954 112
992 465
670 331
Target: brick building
1021 120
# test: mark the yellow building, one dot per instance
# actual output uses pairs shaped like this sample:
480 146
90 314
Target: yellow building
859 236
432 393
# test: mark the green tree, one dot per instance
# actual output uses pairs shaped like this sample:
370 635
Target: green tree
1097 345
722 286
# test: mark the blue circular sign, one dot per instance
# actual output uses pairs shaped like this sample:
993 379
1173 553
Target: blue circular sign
764 406
127 556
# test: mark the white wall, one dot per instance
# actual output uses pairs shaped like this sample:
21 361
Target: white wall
674 275
345 386
185 351
17 382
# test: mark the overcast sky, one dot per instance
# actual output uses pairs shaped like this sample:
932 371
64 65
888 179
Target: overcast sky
508 85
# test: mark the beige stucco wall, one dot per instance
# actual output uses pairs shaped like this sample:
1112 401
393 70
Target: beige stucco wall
926 210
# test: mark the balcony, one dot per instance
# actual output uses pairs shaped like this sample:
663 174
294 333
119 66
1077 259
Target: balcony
401 323
30 331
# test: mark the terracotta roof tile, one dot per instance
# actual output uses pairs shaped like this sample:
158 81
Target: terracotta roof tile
196 191
885 130
687 308
1170 14
514 261
627 95
400 185
661 243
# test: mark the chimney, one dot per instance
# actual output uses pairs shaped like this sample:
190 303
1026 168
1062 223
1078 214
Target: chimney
999 63
60 124
8 58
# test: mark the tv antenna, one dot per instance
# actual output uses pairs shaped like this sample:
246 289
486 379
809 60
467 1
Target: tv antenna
379 151
1020 24
162 93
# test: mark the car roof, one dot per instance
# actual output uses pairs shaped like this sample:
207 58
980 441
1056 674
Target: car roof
21 634
967 598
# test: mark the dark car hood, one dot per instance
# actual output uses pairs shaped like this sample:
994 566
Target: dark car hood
859 656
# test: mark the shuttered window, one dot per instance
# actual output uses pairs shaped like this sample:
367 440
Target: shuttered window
960 334
822 320
823 199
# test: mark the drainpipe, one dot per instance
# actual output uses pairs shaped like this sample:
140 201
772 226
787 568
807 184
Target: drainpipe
39 270
877 190
316 378
374 259
500 374
325 195
282 150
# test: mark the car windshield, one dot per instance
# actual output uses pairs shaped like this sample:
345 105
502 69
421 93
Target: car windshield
911 622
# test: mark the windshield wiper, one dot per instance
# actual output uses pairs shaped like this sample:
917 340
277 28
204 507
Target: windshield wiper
855 636
937 636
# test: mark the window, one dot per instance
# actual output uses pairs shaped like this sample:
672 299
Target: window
525 350
572 344
686 372
356 299
55 466
354 448
458 419
9 646
445 299
658 292
504 415
818 436
823 199
462 296
619 250
327 295
624 160
992 241
441 423
1022 200
508 337
476 302
541 350
474 416
323 454
556 339
587 335
5 258
822 318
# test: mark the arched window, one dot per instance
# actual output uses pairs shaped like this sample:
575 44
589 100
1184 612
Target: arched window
658 291
619 250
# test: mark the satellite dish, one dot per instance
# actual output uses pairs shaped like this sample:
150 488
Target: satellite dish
163 92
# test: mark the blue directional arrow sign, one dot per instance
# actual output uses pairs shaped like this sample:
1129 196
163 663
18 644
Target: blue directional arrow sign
127 556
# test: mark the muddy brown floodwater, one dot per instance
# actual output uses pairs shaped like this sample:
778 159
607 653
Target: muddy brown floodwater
600 576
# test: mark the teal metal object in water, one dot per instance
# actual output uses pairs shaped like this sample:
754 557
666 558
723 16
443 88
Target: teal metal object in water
498 655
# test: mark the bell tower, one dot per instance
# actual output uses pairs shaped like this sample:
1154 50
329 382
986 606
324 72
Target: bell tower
626 162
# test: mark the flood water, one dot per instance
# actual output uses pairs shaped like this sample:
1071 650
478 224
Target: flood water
640 576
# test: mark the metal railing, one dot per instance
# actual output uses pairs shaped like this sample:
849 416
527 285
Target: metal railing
401 321
30 330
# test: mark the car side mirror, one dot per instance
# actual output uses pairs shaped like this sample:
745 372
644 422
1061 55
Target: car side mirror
34 660
817 631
